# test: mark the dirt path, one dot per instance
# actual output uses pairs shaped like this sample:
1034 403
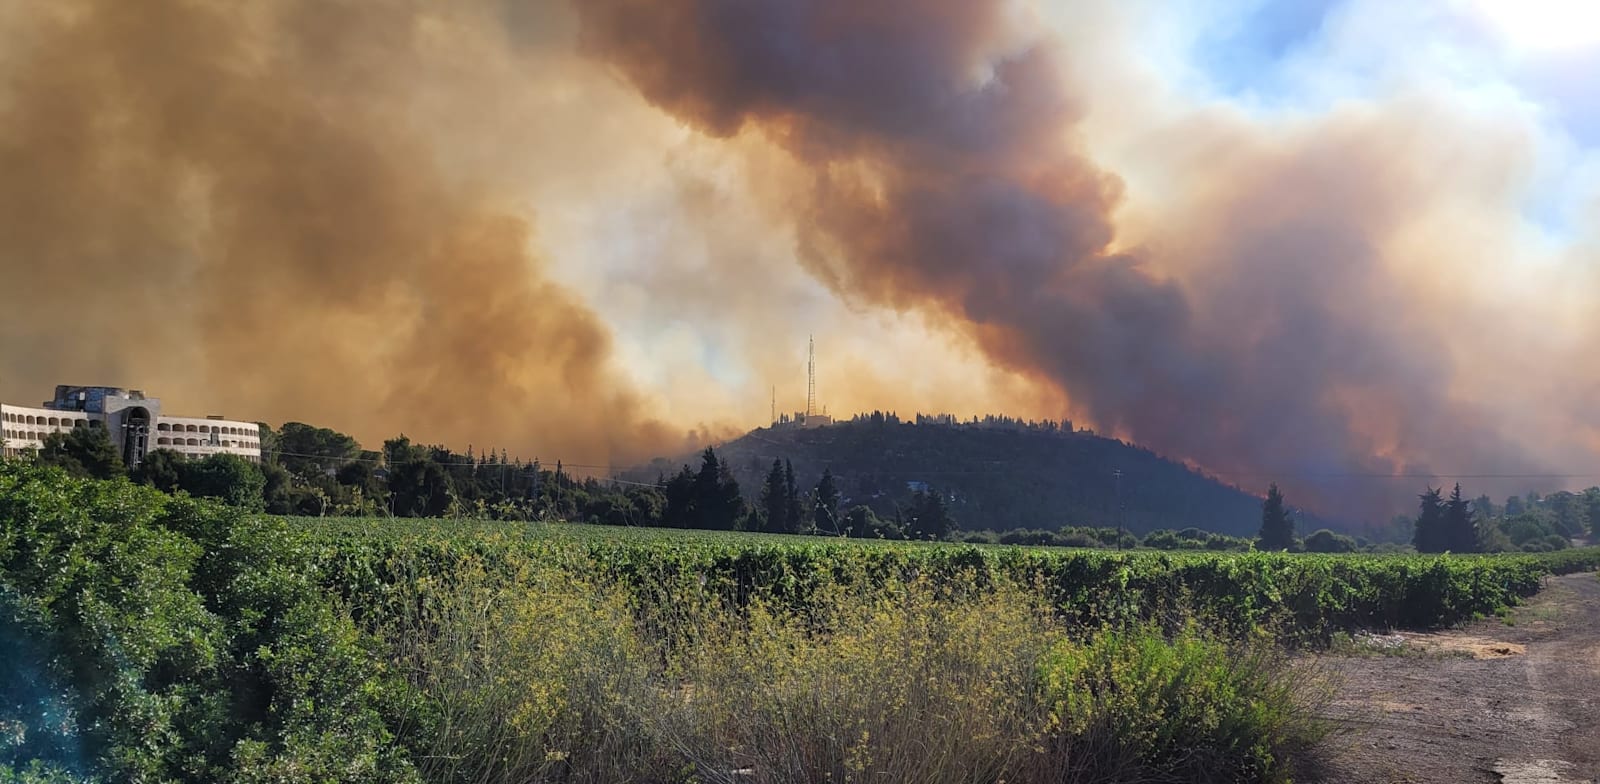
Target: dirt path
1490 703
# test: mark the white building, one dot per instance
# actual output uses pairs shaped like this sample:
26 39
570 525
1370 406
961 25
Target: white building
133 421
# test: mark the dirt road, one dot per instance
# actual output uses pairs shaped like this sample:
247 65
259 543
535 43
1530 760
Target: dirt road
1491 703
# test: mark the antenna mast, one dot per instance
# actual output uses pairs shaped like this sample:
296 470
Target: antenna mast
811 376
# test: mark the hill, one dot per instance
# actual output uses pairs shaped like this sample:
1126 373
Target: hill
996 476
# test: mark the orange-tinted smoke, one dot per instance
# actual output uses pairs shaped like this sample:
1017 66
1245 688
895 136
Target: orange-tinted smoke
943 177
223 204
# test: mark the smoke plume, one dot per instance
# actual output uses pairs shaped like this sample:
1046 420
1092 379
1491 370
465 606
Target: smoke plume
556 226
943 174
226 203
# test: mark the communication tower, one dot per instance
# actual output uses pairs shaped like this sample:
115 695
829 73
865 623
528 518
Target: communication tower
811 376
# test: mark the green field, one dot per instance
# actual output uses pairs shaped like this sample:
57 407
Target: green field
153 638
1303 597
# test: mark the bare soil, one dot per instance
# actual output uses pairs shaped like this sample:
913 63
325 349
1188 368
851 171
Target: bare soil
1517 703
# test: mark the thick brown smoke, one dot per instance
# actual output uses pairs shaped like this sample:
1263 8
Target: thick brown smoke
223 202
943 177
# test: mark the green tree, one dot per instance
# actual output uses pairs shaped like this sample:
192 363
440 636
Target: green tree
794 516
161 469
930 516
83 452
309 451
678 492
1514 506
359 477
420 488
774 501
278 491
1568 512
1591 510
1431 534
1461 528
825 504
860 522
715 502
1277 528
229 478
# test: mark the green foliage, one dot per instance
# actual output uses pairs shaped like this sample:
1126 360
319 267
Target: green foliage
420 488
710 499
84 452
151 638
161 639
307 451
1187 539
1325 541
1431 534
161 469
928 517
1184 707
1277 529
230 479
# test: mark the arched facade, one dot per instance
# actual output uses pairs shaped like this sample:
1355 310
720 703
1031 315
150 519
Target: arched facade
133 421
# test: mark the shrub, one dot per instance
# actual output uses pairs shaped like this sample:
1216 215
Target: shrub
1326 541
1133 705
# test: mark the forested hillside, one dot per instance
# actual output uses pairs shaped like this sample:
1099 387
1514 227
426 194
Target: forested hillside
997 475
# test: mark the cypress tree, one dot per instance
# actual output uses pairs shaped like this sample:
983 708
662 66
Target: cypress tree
1460 528
1277 528
774 500
793 514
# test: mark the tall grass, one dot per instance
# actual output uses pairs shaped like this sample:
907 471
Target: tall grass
525 671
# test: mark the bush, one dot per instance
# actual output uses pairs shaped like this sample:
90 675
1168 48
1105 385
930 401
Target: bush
1134 705
154 638
1326 541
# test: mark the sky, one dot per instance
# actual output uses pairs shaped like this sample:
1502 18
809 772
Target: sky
1349 246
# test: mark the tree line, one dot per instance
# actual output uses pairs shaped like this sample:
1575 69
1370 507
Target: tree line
315 471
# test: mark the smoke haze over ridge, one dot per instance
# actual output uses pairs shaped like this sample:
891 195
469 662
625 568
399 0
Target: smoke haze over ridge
601 231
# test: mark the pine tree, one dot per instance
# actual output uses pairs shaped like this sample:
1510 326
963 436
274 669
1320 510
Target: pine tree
706 506
1460 529
1430 535
1277 528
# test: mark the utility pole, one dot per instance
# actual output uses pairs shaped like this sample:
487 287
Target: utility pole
1118 474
